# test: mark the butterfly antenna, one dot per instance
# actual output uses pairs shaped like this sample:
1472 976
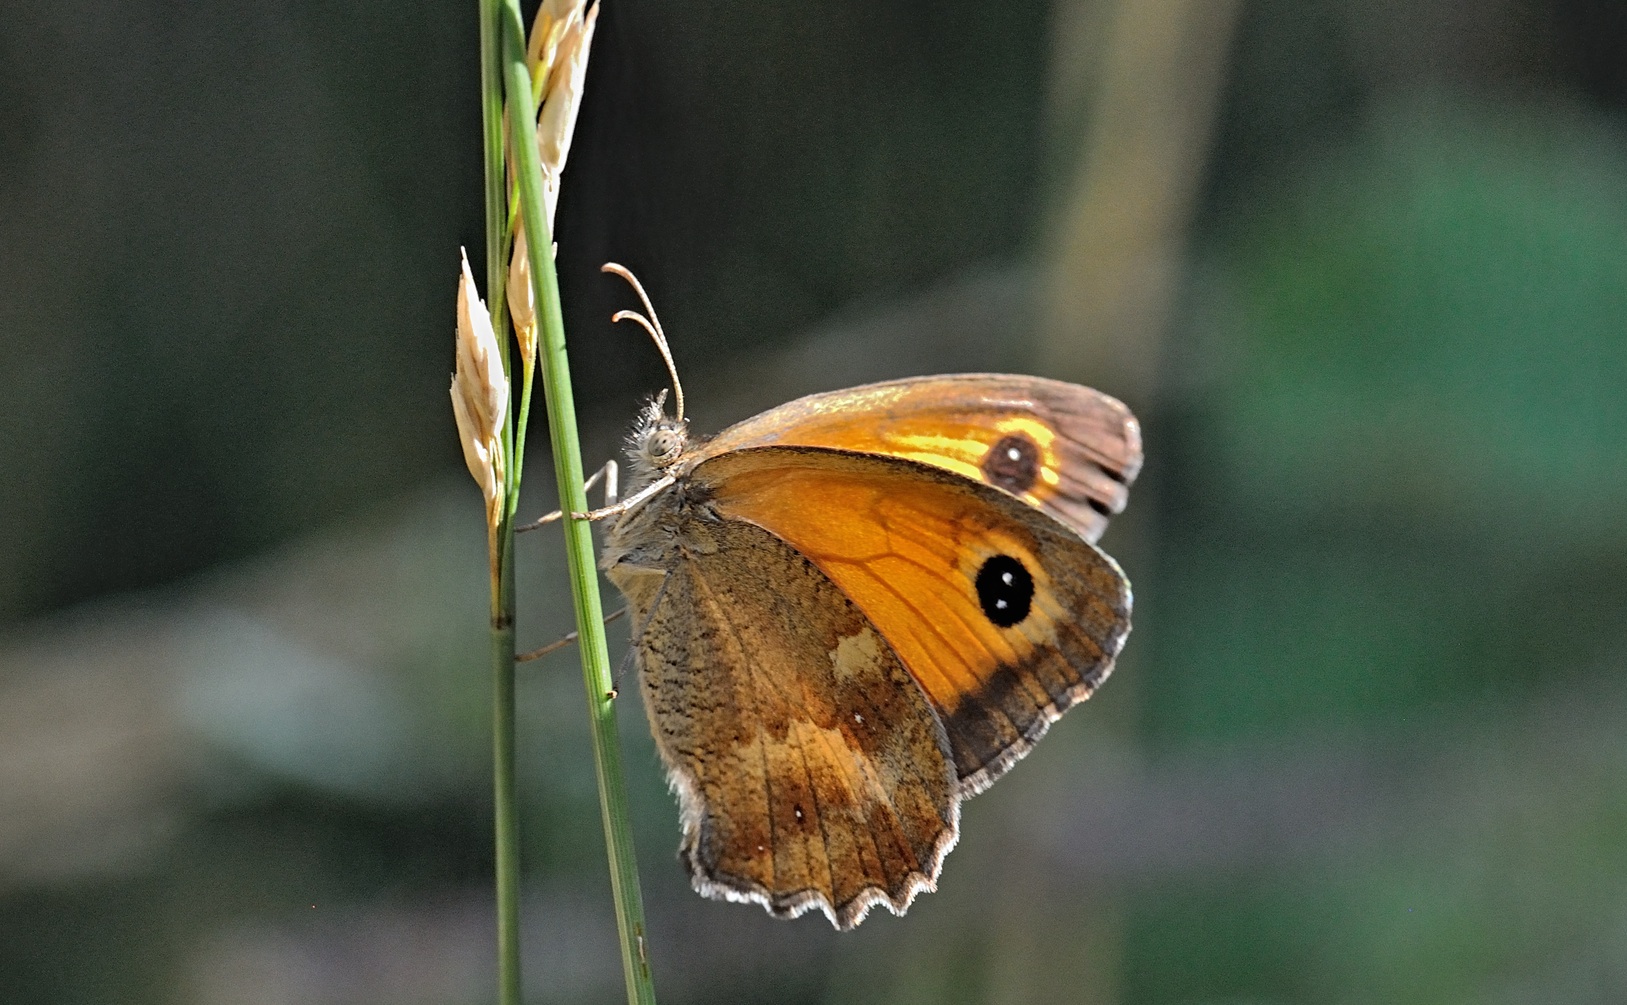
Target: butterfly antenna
652 324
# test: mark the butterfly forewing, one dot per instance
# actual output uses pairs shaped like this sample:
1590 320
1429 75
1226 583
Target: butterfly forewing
1069 450
1004 617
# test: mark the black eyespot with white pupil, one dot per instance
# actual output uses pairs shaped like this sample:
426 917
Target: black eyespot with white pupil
1005 590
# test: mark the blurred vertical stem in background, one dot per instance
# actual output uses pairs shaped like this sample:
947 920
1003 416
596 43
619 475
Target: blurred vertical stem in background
1135 87
1135 141
520 278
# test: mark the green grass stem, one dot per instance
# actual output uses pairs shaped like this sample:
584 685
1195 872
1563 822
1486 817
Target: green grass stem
584 572
505 804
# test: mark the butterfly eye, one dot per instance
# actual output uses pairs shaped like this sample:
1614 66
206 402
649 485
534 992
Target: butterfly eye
665 445
1012 464
1005 590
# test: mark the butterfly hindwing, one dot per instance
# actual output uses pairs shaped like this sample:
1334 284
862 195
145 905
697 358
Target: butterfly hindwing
1002 615
811 772
1069 450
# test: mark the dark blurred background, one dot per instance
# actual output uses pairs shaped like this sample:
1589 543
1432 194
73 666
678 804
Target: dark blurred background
1361 268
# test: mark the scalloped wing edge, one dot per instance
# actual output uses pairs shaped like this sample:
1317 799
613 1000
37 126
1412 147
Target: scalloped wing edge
845 917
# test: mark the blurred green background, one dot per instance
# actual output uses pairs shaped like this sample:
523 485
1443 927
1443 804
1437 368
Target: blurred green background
1361 268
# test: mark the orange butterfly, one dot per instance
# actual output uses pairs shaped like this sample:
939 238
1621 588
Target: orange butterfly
857 609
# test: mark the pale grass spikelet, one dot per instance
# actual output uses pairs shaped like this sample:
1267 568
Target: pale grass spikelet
561 36
554 18
562 95
480 395
557 56
522 301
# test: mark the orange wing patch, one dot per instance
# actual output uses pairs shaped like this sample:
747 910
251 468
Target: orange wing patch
1004 618
1066 449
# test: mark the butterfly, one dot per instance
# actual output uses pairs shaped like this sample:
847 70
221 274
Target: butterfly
858 609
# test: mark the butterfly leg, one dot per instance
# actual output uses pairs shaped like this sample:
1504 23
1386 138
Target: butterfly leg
631 502
632 650
562 641
609 474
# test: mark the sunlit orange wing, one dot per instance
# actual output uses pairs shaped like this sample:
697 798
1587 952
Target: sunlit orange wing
1069 450
1000 656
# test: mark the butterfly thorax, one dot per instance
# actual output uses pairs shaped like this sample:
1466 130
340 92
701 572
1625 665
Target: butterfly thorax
646 538
646 543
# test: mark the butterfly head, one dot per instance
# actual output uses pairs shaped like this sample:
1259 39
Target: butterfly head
657 441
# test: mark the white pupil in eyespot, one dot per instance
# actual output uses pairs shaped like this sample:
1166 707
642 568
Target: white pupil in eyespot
1013 454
